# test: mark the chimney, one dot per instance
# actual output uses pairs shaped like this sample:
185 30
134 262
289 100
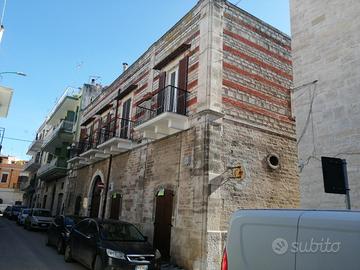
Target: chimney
93 81
125 66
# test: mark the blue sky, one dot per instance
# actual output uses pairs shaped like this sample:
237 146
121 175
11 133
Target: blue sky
62 43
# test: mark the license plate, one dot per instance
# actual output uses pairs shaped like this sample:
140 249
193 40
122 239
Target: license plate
141 267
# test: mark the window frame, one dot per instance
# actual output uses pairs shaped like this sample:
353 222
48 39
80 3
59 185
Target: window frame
7 177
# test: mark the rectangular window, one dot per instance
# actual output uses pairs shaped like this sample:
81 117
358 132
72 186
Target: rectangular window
4 177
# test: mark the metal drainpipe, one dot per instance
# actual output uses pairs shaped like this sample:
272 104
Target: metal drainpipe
106 188
109 169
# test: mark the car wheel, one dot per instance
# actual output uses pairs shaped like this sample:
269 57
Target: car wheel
60 246
98 263
67 255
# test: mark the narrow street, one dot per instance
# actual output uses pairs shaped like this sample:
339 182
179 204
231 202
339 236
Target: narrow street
25 250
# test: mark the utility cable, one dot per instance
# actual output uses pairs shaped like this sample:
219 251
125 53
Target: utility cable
237 2
312 97
16 139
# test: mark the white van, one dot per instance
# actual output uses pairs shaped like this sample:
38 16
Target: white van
293 239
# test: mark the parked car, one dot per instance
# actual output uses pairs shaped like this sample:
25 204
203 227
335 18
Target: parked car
38 218
22 215
109 244
3 206
15 211
7 211
59 231
292 239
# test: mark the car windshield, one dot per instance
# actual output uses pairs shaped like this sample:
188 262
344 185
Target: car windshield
71 221
120 232
41 213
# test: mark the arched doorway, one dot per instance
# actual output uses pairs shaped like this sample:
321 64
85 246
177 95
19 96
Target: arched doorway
95 197
162 224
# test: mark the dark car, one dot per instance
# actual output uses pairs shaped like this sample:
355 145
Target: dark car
59 231
15 211
110 244
7 211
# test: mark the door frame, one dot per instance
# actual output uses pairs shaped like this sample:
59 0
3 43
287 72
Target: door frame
156 238
98 173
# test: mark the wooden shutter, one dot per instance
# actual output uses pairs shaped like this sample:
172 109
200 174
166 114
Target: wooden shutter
182 84
124 130
161 96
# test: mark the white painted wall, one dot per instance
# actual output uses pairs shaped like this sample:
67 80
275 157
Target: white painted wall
326 47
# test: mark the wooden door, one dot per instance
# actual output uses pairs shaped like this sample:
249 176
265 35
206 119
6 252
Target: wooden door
115 209
95 199
162 225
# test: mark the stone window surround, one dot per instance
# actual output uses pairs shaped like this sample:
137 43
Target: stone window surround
7 177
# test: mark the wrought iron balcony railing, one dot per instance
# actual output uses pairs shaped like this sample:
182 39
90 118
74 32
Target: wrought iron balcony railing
169 99
64 125
115 128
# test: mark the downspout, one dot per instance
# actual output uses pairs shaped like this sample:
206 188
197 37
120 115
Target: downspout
109 168
205 193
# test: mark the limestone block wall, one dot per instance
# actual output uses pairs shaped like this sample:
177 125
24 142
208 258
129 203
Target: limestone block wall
175 163
325 42
231 144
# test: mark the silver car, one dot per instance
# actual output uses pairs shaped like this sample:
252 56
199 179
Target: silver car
22 216
38 218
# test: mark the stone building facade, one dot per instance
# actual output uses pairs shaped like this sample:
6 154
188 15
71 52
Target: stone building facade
198 127
326 50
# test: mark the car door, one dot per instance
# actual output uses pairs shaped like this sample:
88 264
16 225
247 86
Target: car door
328 240
52 231
77 238
90 243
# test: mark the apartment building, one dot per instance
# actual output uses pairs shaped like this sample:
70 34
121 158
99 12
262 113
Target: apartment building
196 128
47 184
326 98
11 177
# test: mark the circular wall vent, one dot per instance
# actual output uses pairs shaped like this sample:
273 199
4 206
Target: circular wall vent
273 161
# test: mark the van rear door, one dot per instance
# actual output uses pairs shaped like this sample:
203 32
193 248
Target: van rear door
261 239
328 240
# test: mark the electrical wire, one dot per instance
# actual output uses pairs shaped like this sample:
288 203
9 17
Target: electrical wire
237 2
308 116
3 13
16 139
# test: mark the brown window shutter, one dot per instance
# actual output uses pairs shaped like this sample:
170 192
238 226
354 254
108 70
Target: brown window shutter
182 84
83 134
161 94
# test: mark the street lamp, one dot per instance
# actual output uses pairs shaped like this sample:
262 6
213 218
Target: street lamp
13 72
6 93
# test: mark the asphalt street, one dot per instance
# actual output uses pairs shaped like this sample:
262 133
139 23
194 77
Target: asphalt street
26 250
